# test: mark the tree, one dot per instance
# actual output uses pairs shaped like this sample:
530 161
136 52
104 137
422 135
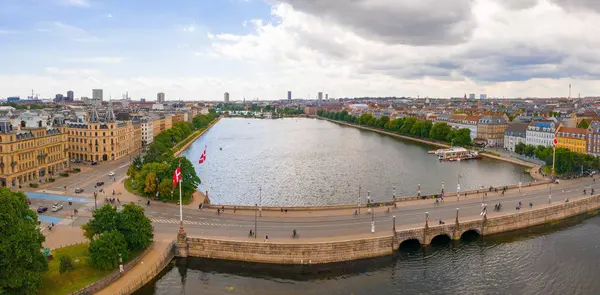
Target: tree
131 171
137 162
165 188
22 264
151 185
583 124
105 250
462 137
190 180
104 219
135 226
66 264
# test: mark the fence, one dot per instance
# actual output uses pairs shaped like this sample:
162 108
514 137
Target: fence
151 273
101 283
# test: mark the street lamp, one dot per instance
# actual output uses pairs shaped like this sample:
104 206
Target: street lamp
255 219
550 194
419 191
394 226
368 197
457 215
426 219
359 200
260 199
394 193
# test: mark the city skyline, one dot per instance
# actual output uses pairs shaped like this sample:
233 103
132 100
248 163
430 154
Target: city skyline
198 50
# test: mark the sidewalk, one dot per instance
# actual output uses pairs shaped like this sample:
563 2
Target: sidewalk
147 264
62 236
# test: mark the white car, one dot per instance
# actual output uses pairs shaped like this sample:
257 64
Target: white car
57 207
111 173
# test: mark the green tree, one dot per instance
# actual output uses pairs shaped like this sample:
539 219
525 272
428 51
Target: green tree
22 264
135 227
105 250
462 137
165 189
189 179
151 185
583 124
66 264
103 219
137 162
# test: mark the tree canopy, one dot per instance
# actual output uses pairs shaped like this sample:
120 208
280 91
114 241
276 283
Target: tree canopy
22 264
105 250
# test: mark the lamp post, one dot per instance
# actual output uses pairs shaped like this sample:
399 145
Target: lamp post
359 200
550 194
442 188
255 220
394 224
426 219
419 191
457 215
260 200
368 198
394 193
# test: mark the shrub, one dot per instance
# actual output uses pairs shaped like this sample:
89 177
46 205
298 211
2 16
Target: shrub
76 170
66 264
34 185
64 174
51 179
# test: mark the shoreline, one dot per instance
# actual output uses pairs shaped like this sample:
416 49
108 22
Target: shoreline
195 137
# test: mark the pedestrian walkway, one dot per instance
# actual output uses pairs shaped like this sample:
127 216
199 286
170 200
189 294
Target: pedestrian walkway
146 266
62 236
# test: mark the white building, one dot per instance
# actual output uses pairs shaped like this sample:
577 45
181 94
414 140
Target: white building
147 131
463 121
515 134
540 133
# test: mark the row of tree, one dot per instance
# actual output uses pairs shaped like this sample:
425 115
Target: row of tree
567 162
152 175
409 126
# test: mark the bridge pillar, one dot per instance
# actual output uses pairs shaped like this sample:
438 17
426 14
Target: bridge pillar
456 231
182 244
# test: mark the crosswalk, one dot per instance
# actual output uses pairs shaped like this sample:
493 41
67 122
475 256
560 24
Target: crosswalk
190 222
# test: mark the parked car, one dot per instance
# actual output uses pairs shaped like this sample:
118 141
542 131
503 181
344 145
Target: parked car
94 163
78 190
100 183
111 173
42 209
57 207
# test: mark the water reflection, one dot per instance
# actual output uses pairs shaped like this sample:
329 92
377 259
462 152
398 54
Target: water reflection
315 162
557 259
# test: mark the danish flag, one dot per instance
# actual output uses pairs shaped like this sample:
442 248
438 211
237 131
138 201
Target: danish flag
203 156
177 176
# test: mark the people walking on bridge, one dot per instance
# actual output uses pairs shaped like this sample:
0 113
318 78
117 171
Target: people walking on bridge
266 238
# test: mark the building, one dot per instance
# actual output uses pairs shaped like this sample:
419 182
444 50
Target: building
103 139
320 96
226 97
13 99
593 139
97 94
311 111
574 139
459 121
58 98
289 97
178 117
70 96
160 97
483 96
31 152
472 96
515 134
541 133
326 96
490 130
147 131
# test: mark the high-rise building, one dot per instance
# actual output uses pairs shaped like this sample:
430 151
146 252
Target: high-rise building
326 96
160 97
97 94
483 96
58 98
472 96
70 95
289 95
226 97
320 95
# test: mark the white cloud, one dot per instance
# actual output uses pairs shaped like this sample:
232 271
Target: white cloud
77 3
109 15
96 60
71 71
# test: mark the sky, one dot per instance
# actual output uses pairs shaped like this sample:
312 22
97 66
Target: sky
199 49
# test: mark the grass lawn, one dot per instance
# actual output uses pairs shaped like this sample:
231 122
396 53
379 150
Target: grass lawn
186 200
83 274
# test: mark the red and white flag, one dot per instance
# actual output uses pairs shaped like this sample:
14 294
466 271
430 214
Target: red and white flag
177 176
203 156
555 141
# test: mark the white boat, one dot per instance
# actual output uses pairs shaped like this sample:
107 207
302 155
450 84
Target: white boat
457 154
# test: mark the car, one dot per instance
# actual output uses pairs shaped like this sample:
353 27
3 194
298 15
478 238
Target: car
72 160
56 207
94 163
78 190
100 183
42 209
111 173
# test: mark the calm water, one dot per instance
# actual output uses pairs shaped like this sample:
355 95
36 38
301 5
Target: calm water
315 162
557 260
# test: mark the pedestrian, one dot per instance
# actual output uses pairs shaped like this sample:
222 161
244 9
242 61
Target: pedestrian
530 205
285 210
266 238
200 207
218 211
355 212
234 209
223 209
118 201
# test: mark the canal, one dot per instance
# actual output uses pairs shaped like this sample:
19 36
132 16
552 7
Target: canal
557 259
303 162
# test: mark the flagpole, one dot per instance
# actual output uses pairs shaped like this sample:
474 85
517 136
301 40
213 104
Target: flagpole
180 200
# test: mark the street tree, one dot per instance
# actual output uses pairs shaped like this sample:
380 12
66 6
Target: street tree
22 264
106 250
135 227
103 219
151 184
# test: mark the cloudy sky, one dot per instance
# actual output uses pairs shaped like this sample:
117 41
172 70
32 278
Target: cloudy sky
198 49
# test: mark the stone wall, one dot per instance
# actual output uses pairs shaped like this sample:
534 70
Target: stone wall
337 251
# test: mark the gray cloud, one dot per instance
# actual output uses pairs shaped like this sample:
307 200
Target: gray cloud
423 22
518 4
578 4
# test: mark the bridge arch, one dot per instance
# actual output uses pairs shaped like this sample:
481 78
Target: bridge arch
440 239
410 243
470 234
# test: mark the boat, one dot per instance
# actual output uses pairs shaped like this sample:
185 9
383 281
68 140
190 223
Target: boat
436 152
457 154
